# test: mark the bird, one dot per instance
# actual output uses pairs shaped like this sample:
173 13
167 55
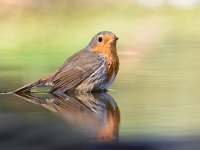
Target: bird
92 69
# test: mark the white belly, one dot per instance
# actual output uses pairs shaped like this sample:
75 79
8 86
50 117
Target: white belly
97 81
108 83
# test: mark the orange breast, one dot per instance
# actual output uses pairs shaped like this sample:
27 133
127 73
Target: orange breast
110 53
112 67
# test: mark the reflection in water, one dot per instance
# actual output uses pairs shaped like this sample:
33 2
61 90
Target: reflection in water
98 113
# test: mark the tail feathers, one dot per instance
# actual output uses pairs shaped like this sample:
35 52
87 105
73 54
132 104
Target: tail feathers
27 88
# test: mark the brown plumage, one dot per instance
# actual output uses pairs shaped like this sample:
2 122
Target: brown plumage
91 69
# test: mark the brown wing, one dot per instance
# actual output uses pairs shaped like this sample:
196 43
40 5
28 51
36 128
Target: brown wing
75 70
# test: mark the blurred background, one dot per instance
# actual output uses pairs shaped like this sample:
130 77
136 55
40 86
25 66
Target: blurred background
157 87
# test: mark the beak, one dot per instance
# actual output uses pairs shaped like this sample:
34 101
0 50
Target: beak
113 40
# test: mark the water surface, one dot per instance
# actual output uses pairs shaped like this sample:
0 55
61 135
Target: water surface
154 97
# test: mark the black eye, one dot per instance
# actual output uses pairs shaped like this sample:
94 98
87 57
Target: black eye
100 39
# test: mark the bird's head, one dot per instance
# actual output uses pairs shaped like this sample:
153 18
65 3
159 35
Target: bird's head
103 42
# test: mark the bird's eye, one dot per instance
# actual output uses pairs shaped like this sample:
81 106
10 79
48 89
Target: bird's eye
100 39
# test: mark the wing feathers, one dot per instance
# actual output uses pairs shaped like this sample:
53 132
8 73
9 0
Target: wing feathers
75 70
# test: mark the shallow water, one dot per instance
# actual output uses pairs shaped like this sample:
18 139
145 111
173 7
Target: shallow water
155 101
155 96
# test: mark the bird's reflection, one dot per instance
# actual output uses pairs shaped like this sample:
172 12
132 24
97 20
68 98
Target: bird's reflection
97 113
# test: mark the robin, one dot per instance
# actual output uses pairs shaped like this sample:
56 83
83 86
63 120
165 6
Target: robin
91 69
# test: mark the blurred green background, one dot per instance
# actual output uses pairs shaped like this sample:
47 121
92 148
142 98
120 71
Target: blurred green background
157 88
